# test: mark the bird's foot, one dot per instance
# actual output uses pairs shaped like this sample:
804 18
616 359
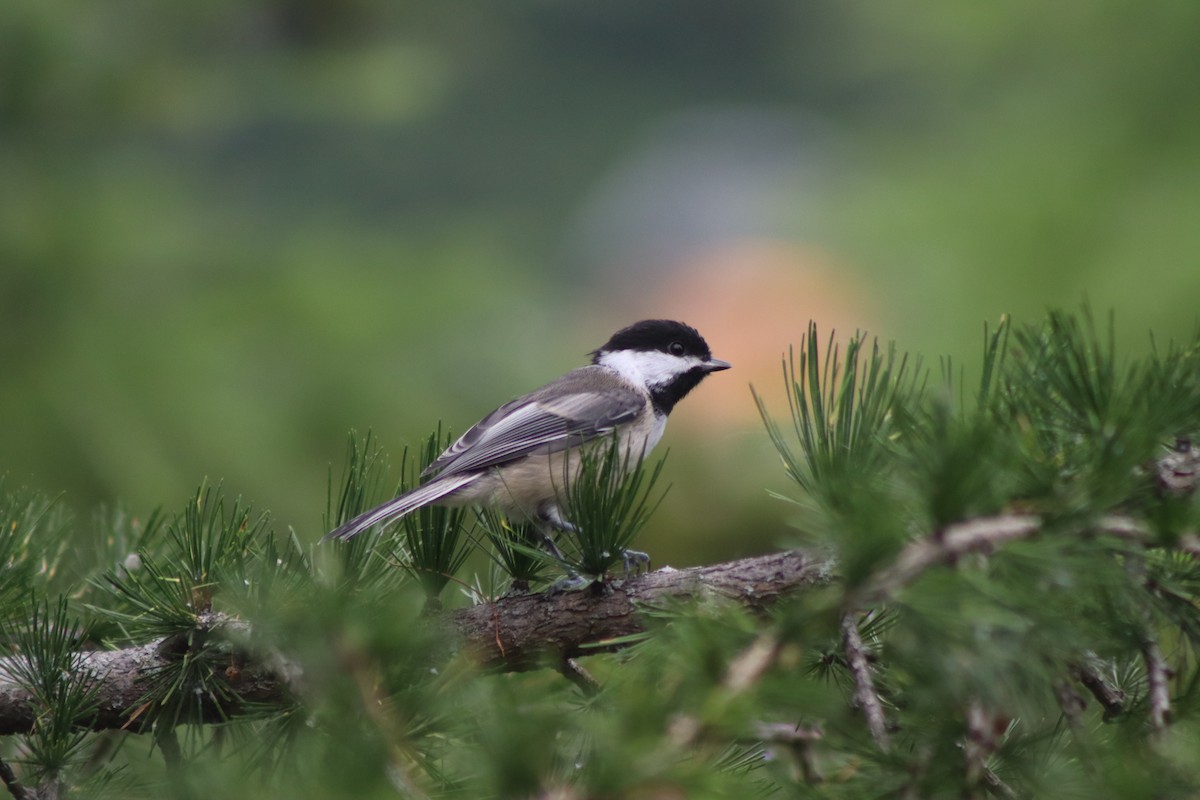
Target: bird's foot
635 561
573 582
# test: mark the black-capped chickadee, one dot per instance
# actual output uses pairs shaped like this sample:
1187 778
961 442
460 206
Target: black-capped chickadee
513 460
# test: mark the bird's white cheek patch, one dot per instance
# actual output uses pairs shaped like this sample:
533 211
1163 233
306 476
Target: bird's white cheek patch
650 368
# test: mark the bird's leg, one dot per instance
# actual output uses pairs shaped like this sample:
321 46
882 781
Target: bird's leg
549 545
549 520
635 561
554 520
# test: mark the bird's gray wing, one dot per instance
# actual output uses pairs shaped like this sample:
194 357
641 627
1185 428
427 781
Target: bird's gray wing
578 409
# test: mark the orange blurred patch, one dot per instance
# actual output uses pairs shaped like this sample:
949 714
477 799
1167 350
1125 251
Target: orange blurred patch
752 299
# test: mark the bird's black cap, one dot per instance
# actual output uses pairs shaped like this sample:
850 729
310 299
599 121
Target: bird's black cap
657 334
673 338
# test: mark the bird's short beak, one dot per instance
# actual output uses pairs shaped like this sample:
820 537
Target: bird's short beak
716 365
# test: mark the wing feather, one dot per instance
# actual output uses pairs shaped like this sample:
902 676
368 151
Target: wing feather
586 403
399 506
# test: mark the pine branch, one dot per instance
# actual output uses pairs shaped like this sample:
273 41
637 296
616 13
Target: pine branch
512 634
983 535
124 679
518 633
983 740
954 542
978 535
798 740
1110 697
865 694
14 786
1158 675
575 672
1179 472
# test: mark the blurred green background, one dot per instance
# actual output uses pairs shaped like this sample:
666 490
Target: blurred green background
232 231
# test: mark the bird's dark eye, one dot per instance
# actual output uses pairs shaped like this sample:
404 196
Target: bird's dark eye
675 348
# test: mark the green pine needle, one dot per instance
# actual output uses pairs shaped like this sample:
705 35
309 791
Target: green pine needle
608 503
843 410
359 565
207 546
34 539
47 659
512 545
362 481
435 546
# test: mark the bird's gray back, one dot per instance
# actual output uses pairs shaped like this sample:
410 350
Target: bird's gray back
581 405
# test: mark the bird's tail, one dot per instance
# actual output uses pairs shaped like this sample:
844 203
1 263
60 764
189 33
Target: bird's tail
404 504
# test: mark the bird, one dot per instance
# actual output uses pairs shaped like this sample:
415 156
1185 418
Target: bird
516 459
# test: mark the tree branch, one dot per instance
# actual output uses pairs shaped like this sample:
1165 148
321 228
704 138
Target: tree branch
522 632
979 535
798 740
512 634
124 679
983 740
1158 675
1110 697
1179 471
864 685
14 786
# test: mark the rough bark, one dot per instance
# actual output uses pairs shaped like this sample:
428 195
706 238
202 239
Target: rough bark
512 634
522 632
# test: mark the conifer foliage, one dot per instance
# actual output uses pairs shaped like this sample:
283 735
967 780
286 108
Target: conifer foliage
991 591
